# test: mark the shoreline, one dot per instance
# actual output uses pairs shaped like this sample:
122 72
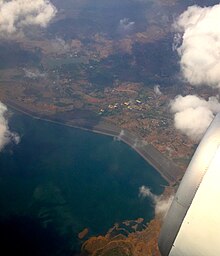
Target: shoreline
164 166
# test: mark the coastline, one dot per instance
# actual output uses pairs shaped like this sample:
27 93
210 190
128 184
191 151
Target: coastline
167 169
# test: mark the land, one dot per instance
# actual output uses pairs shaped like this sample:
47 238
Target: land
135 243
128 238
162 164
84 88
106 84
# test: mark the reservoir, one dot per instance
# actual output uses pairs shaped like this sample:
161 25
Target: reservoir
59 180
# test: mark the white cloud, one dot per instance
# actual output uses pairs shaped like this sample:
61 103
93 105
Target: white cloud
5 135
15 15
146 192
126 26
193 115
161 204
120 135
60 45
33 74
200 48
157 90
177 40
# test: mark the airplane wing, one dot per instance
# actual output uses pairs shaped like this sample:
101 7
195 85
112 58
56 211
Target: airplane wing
192 224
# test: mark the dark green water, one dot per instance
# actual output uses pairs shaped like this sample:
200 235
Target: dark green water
59 180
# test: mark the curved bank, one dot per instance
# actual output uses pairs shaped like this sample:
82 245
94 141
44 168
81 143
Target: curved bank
168 170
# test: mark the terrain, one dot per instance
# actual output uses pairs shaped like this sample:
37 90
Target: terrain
100 67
